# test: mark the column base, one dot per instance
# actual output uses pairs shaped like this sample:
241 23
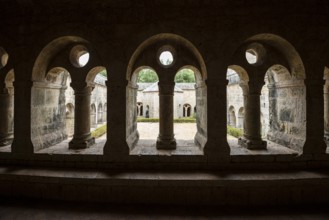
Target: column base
252 144
6 142
78 144
166 144
326 137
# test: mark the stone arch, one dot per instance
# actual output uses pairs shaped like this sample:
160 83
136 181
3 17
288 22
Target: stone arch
232 116
48 108
93 116
70 119
287 108
7 110
132 135
50 72
280 61
186 110
105 112
240 117
166 37
140 109
243 77
49 52
185 54
326 103
100 113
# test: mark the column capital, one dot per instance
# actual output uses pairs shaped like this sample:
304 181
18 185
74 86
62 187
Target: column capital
23 84
166 88
314 82
216 82
82 88
255 87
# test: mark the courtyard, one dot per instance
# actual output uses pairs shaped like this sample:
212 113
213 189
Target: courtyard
184 134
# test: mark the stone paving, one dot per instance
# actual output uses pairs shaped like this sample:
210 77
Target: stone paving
184 134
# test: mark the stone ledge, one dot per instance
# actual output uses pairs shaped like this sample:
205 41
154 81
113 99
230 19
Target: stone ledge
216 188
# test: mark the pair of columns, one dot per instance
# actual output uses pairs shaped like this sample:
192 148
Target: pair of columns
82 137
6 116
252 138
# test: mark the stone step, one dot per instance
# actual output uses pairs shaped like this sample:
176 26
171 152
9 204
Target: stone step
172 187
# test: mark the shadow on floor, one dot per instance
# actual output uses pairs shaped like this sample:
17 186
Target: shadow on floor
14 208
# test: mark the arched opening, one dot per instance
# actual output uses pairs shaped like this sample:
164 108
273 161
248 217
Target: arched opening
53 76
48 113
139 109
70 119
326 106
93 116
105 113
236 88
171 54
240 118
231 116
185 125
6 107
144 91
285 123
186 110
100 114
274 113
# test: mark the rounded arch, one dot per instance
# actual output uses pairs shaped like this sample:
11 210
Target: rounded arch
69 110
49 52
187 110
134 77
292 57
57 75
197 73
93 116
90 78
100 113
232 116
243 77
10 78
166 37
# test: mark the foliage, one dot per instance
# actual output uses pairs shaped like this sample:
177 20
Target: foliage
235 132
103 72
147 119
147 76
177 120
185 120
99 131
185 76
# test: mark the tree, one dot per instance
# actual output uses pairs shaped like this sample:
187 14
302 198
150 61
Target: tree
185 76
147 76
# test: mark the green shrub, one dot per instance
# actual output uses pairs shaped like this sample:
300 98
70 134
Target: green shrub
177 120
235 132
185 120
147 120
99 131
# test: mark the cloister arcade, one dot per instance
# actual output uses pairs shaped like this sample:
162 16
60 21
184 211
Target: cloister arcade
49 73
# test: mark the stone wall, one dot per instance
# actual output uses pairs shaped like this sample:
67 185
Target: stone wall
48 114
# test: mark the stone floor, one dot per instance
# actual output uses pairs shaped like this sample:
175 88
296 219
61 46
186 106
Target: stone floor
49 209
184 134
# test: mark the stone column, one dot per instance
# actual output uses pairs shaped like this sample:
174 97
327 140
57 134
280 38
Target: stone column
252 137
166 138
326 111
6 116
22 144
118 137
82 136
217 148
315 143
